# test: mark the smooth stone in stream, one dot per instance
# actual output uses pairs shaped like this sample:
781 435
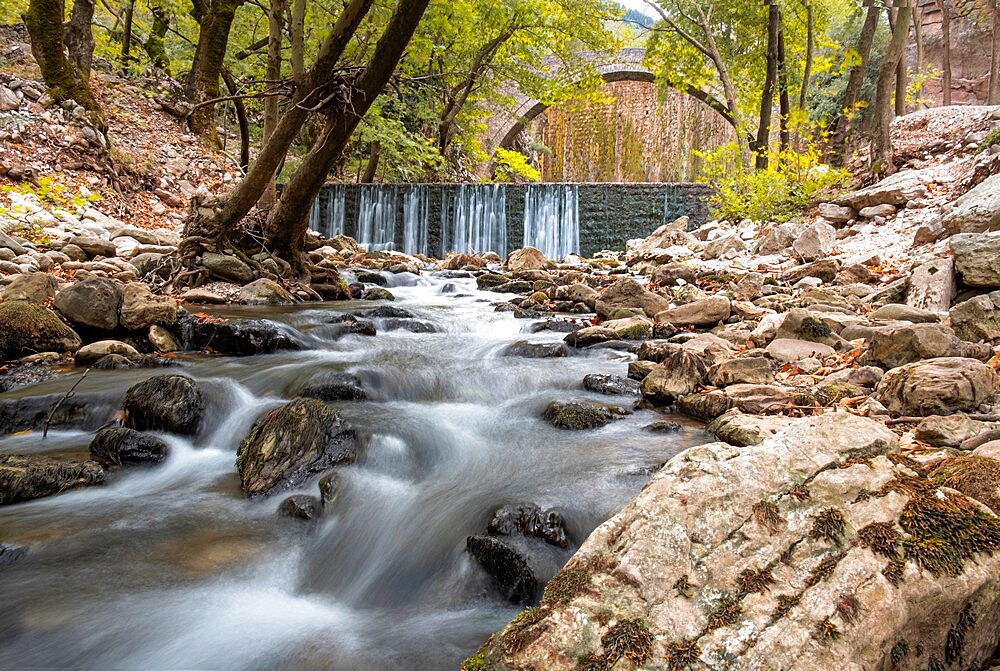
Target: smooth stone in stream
119 446
302 507
349 324
411 325
291 443
610 384
663 426
330 386
24 477
509 570
536 350
238 337
89 354
577 415
165 403
387 312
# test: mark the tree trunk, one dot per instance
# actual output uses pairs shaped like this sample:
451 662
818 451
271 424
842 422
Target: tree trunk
946 52
80 38
127 36
206 67
901 73
807 73
275 37
994 95
287 223
298 39
784 107
881 148
760 147
842 125
44 21
372 167
154 44
241 118
210 222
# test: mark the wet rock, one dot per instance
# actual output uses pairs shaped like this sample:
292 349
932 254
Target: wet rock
611 385
330 386
387 312
31 287
265 292
239 337
329 487
411 325
90 354
14 376
663 426
937 387
489 281
578 415
815 242
742 430
113 362
170 403
201 296
26 328
791 350
703 312
749 370
11 553
627 293
92 303
85 411
977 211
25 477
529 520
590 335
509 570
705 407
227 267
977 318
378 294
680 374
301 507
116 446
536 350
527 258
977 258
291 443
377 279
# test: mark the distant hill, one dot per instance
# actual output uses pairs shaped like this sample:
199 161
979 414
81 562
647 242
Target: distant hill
635 17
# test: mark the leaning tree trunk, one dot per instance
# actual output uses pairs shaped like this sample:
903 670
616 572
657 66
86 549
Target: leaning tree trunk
760 147
881 148
275 37
841 126
206 67
80 38
45 26
287 223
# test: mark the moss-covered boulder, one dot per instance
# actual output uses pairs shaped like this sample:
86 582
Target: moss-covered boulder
165 403
509 570
25 477
119 446
26 328
291 443
577 415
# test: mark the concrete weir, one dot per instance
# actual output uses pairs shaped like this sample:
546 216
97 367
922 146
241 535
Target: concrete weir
558 219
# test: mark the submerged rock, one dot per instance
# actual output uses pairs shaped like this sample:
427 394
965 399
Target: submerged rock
332 386
127 447
165 403
302 507
291 443
25 477
11 553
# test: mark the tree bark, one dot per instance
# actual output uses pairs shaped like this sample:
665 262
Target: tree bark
298 31
901 73
945 52
80 38
241 118
127 36
275 37
760 147
287 223
784 107
842 125
44 21
374 152
216 20
217 216
881 163
810 40
994 94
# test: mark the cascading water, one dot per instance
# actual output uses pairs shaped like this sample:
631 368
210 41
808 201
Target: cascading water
476 220
552 219
377 208
416 220
327 214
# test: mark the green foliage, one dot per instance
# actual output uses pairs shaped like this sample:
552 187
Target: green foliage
50 195
992 138
513 166
780 192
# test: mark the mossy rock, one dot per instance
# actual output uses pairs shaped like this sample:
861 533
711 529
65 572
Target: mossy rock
26 328
26 477
165 403
578 415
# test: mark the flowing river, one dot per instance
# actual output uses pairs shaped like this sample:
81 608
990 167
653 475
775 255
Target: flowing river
172 567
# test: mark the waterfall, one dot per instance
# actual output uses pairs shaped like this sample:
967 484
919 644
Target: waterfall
416 220
327 214
552 219
476 220
376 229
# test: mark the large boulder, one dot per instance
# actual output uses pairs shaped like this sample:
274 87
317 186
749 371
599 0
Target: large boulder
24 477
894 346
141 309
239 337
977 211
579 415
897 189
680 374
509 570
120 446
702 312
627 293
289 444
977 318
937 387
815 242
227 267
526 258
27 328
92 303
977 258
748 370
770 558
31 287
165 403
265 292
